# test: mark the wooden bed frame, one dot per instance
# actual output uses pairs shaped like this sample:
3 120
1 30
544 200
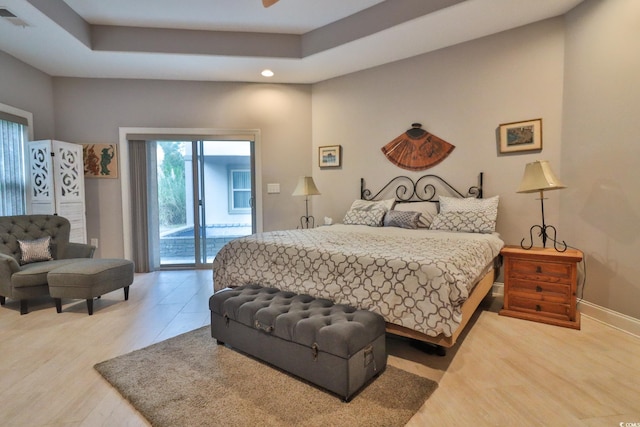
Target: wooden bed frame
425 189
482 288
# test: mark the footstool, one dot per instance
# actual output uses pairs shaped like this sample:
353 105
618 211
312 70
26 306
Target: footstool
89 279
334 346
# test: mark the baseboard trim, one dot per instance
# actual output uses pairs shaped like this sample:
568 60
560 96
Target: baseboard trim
622 322
616 320
498 289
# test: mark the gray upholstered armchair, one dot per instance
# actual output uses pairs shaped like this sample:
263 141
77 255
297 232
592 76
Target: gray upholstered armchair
24 259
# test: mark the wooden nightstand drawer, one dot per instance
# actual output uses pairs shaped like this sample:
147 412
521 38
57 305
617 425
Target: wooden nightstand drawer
540 270
541 308
540 290
540 285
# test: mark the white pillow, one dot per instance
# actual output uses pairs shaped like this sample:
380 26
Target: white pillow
470 222
428 211
486 209
469 204
365 205
372 217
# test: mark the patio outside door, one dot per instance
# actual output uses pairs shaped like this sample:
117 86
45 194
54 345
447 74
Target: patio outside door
206 198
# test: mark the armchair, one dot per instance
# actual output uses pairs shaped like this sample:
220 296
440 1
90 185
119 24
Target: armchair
22 281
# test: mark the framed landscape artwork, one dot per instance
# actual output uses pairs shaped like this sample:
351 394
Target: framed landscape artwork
521 136
329 156
100 160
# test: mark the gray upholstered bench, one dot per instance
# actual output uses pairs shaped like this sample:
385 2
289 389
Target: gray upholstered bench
336 347
89 279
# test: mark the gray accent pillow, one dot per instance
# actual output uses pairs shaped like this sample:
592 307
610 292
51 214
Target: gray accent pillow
35 250
428 211
402 219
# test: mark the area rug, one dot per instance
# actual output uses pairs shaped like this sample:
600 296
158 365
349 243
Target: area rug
191 381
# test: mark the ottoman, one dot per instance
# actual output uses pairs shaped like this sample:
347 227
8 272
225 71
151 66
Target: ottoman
89 279
336 347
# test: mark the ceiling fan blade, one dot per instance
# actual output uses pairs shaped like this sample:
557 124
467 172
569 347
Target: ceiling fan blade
267 3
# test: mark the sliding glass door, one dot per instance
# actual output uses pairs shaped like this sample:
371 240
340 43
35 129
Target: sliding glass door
205 198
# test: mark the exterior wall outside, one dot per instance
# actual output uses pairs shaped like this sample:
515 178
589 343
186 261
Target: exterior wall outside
216 184
217 189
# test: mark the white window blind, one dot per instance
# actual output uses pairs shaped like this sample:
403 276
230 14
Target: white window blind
13 130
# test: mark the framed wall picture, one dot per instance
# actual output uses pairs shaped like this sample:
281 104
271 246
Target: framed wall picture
521 136
100 160
330 156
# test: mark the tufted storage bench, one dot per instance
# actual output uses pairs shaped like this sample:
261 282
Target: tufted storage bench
336 347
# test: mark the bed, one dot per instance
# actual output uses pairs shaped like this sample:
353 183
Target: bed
424 269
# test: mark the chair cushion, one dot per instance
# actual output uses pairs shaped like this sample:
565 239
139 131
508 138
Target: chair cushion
35 274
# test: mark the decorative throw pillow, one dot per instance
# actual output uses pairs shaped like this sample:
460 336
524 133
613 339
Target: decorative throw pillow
402 219
370 204
428 211
469 204
470 222
35 250
371 216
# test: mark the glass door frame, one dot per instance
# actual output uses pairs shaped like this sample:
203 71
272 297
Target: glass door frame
198 196
127 134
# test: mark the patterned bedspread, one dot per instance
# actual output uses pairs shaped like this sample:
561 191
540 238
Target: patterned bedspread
414 278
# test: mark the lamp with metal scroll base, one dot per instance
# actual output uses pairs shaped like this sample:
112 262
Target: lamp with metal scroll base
538 177
306 187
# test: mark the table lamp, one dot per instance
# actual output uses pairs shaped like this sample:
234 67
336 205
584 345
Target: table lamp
306 187
538 177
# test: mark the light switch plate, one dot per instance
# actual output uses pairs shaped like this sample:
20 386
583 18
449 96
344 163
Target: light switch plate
273 188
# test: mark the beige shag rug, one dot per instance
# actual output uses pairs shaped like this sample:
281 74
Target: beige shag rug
191 381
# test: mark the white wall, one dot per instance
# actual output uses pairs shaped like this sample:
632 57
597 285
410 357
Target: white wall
460 94
600 211
93 110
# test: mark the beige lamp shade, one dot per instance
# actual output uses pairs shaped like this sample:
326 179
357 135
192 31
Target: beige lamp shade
538 176
306 187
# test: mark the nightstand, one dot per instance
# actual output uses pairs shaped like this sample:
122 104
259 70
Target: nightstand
540 285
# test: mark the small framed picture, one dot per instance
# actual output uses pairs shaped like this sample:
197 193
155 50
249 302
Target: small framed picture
329 156
100 160
521 136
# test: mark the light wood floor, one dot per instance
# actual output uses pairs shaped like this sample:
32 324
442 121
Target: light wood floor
504 371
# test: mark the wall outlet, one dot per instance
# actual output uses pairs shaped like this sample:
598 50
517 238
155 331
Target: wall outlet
94 242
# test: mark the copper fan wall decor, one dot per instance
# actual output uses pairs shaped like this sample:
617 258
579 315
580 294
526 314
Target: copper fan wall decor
417 149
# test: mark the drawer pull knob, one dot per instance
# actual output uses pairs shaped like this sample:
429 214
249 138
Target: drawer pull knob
538 289
538 308
538 269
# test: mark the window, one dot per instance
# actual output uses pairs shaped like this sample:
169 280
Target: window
239 190
13 134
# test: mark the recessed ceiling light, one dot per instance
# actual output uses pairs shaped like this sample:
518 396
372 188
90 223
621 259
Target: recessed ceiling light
267 73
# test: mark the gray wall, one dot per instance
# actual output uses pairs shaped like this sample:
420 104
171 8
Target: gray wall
578 73
24 87
460 94
600 211
92 111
